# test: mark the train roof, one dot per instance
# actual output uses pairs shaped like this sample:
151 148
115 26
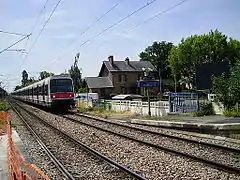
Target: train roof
43 81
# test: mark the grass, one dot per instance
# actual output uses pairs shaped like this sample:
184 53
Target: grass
234 112
101 112
4 106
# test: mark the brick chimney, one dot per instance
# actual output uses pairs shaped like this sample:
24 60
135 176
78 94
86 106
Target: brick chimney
110 58
127 60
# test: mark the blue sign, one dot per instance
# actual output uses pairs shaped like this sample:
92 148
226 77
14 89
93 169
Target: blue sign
151 83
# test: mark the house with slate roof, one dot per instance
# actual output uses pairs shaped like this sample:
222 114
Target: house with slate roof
118 77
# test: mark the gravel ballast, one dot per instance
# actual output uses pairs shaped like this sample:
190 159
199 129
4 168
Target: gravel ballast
80 163
149 162
195 149
32 151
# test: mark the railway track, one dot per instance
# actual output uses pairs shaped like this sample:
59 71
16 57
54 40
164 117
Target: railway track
57 163
127 173
217 156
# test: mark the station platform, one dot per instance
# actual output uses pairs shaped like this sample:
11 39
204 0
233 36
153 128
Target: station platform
188 122
4 153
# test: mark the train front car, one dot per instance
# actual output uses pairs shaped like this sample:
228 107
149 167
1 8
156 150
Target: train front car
61 93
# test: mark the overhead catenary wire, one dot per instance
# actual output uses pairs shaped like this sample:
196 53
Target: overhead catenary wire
148 19
14 44
42 29
118 22
38 18
12 33
156 15
90 26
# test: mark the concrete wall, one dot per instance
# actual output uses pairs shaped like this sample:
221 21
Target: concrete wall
159 108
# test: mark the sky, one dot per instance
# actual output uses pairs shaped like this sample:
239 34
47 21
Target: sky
67 30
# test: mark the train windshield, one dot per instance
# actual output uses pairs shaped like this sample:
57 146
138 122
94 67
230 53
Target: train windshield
61 85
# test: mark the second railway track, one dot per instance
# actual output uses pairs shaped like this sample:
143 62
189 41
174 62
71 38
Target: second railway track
222 157
147 159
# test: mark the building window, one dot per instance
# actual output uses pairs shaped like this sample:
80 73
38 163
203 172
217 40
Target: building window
122 90
122 77
139 77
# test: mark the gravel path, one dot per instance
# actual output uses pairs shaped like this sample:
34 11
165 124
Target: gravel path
81 164
149 162
195 149
32 151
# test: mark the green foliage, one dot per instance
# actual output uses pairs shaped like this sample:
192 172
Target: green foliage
199 49
233 112
76 76
228 89
3 106
205 110
158 54
24 77
45 74
83 90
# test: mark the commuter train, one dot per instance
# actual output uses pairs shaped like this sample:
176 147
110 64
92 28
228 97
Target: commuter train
53 92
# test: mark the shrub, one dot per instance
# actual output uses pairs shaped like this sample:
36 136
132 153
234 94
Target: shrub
3 107
206 109
234 112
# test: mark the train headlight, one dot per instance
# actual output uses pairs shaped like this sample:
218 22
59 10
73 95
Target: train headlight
54 96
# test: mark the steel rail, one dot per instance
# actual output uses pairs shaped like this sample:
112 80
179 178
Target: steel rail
88 149
235 150
214 164
50 155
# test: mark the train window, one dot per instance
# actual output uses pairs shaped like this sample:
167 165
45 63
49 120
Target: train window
46 89
35 91
61 85
40 90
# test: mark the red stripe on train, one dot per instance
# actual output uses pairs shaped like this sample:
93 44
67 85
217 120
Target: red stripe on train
62 95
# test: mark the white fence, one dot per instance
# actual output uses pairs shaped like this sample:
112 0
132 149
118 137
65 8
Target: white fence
158 108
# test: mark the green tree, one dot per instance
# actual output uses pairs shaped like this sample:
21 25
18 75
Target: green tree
227 89
196 50
75 74
158 54
17 87
45 74
24 77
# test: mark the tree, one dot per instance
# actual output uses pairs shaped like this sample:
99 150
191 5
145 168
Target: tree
75 74
45 74
196 50
227 89
24 77
158 54
17 87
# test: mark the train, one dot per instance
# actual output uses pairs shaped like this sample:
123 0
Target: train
52 92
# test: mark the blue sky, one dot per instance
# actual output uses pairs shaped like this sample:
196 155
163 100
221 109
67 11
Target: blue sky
61 39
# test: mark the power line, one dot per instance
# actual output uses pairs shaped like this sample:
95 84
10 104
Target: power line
12 33
156 15
46 22
149 19
95 22
118 22
15 43
44 7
